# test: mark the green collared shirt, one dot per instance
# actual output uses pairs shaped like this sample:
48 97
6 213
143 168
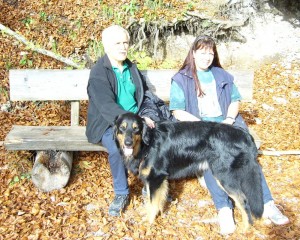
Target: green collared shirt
126 89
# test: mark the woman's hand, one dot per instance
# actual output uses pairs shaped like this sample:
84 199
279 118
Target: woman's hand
233 111
229 121
150 123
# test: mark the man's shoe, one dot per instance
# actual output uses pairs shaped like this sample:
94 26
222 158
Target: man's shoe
274 214
119 204
226 222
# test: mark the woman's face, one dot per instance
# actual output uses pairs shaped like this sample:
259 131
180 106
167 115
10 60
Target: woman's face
203 58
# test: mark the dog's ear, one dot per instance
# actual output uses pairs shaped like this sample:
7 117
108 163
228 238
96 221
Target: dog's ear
117 118
115 123
146 133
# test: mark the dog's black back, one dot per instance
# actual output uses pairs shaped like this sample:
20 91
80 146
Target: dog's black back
184 144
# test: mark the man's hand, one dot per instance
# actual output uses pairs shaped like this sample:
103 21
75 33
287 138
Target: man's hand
149 122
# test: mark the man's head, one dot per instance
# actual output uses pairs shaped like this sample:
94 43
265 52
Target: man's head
115 40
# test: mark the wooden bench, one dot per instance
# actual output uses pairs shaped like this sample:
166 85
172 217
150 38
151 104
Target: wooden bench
45 85
49 85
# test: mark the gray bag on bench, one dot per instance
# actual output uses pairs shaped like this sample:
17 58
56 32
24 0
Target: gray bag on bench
155 108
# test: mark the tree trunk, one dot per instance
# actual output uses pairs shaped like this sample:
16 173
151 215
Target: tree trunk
51 170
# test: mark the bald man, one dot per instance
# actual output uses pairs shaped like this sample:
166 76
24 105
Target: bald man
115 87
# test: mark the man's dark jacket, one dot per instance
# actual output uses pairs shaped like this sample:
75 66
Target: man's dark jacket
102 93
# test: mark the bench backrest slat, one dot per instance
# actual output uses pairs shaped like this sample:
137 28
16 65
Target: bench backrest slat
39 85
32 85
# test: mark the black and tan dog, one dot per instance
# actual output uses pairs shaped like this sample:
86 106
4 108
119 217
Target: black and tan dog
174 150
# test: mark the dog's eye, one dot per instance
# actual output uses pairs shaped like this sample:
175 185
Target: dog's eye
122 128
136 129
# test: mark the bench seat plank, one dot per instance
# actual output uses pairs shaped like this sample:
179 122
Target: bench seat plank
64 138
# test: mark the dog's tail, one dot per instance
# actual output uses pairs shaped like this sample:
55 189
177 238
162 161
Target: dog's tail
256 194
249 197
253 191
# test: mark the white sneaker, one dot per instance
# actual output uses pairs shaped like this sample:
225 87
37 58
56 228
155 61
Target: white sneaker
274 214
226 222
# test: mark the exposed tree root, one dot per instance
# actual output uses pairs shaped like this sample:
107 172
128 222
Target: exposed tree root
151 35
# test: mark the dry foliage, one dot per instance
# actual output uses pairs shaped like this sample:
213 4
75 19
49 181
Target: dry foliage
80 210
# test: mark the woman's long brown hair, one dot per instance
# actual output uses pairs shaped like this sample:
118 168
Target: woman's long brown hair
200 42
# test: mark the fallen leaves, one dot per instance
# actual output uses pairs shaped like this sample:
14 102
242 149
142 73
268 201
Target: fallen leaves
63 214
79 211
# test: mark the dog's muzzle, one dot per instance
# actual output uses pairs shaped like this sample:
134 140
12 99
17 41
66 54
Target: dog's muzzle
127 151
128 147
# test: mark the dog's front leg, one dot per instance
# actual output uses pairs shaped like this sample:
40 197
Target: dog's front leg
156 198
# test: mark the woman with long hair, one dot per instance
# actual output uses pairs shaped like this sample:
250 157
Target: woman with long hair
203 91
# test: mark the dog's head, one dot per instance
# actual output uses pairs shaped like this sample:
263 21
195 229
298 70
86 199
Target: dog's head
128 131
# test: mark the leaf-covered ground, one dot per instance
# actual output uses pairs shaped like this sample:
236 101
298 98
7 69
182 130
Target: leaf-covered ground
79 211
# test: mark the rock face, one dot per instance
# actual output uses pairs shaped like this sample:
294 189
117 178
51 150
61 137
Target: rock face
257 32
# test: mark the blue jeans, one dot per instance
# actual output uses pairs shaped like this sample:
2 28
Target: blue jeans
221 198
117 167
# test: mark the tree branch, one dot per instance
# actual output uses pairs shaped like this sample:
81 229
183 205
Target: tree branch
279 153
31 46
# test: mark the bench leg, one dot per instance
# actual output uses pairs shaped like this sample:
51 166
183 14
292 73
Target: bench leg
51 170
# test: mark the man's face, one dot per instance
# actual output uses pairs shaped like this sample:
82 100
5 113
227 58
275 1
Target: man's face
118 46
